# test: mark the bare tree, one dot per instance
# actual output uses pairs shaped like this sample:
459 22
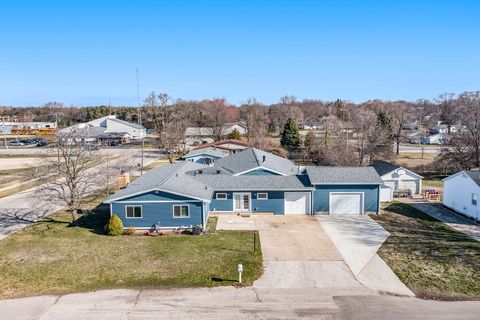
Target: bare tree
464 147
401 114
255 118
448 109
68 178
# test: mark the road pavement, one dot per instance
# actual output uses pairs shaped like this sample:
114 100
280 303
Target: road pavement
233 303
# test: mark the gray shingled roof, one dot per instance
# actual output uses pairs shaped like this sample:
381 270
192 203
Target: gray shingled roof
383 167
170 178
208 151
253 158
223 182
474 175
343 175
199 131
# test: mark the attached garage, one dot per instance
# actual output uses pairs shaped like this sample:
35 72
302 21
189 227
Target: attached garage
346 203
297 203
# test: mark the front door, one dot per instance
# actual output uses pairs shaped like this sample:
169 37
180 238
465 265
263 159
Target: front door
241 201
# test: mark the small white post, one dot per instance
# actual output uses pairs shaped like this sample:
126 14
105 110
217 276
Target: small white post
240 270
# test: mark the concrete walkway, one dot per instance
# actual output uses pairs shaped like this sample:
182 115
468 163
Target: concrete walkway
454 220
232 303
358 238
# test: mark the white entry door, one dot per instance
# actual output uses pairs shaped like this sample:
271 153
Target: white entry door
346 203
241 202
297 202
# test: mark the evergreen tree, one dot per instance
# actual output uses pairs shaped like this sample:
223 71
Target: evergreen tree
290 135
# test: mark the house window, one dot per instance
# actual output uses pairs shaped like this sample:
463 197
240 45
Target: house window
181 211
262 196
221 196
133 212
474 199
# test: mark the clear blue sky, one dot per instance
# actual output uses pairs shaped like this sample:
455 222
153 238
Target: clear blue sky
86 52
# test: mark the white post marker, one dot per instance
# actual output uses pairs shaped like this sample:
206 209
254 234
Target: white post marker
240 270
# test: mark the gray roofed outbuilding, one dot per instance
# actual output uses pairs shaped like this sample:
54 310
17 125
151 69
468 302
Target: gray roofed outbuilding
343 175
383 167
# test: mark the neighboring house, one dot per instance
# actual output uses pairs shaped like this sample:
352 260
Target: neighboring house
230 127
198 135
206 156
108 125
439 138
443 128
254 181
461 193
231 145
203 135
312 126
396 178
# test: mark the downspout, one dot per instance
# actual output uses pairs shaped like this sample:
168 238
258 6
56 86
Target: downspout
378 199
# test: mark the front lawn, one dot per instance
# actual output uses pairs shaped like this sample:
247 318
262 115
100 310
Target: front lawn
53 257
432 259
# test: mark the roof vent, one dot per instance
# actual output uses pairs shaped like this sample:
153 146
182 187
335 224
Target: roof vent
264 158
176 175
218 171
200 171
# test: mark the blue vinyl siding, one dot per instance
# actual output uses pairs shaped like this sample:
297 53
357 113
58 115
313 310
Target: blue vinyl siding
260 172
222 205
321 196
275 202
161 213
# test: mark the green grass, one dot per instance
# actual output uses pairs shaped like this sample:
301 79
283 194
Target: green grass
432 259
54 257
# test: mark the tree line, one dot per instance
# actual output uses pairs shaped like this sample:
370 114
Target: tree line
351 134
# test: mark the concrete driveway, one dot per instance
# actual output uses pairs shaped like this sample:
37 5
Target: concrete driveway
358 238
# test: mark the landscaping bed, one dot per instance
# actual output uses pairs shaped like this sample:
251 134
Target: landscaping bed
53 257
432 259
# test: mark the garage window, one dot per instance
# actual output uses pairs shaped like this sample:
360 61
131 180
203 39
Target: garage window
262 196
474 199
181 211
133 212
221 196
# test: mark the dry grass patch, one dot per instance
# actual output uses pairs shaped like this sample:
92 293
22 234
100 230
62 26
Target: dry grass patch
432 259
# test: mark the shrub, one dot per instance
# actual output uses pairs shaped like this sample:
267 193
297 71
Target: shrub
114 226
130 231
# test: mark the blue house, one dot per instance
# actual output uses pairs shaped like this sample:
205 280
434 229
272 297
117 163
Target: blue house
255 181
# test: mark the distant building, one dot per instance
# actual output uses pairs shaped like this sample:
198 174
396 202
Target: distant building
231 145
439 138
201 135
28 128
312 126
105 128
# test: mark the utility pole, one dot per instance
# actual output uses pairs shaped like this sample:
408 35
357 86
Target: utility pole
140 123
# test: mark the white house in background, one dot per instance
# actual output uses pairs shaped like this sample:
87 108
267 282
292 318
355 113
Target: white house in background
461 193
439 138
108 125
396 178
230 127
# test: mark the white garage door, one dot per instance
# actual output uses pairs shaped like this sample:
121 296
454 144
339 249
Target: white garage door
297 203
346 203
